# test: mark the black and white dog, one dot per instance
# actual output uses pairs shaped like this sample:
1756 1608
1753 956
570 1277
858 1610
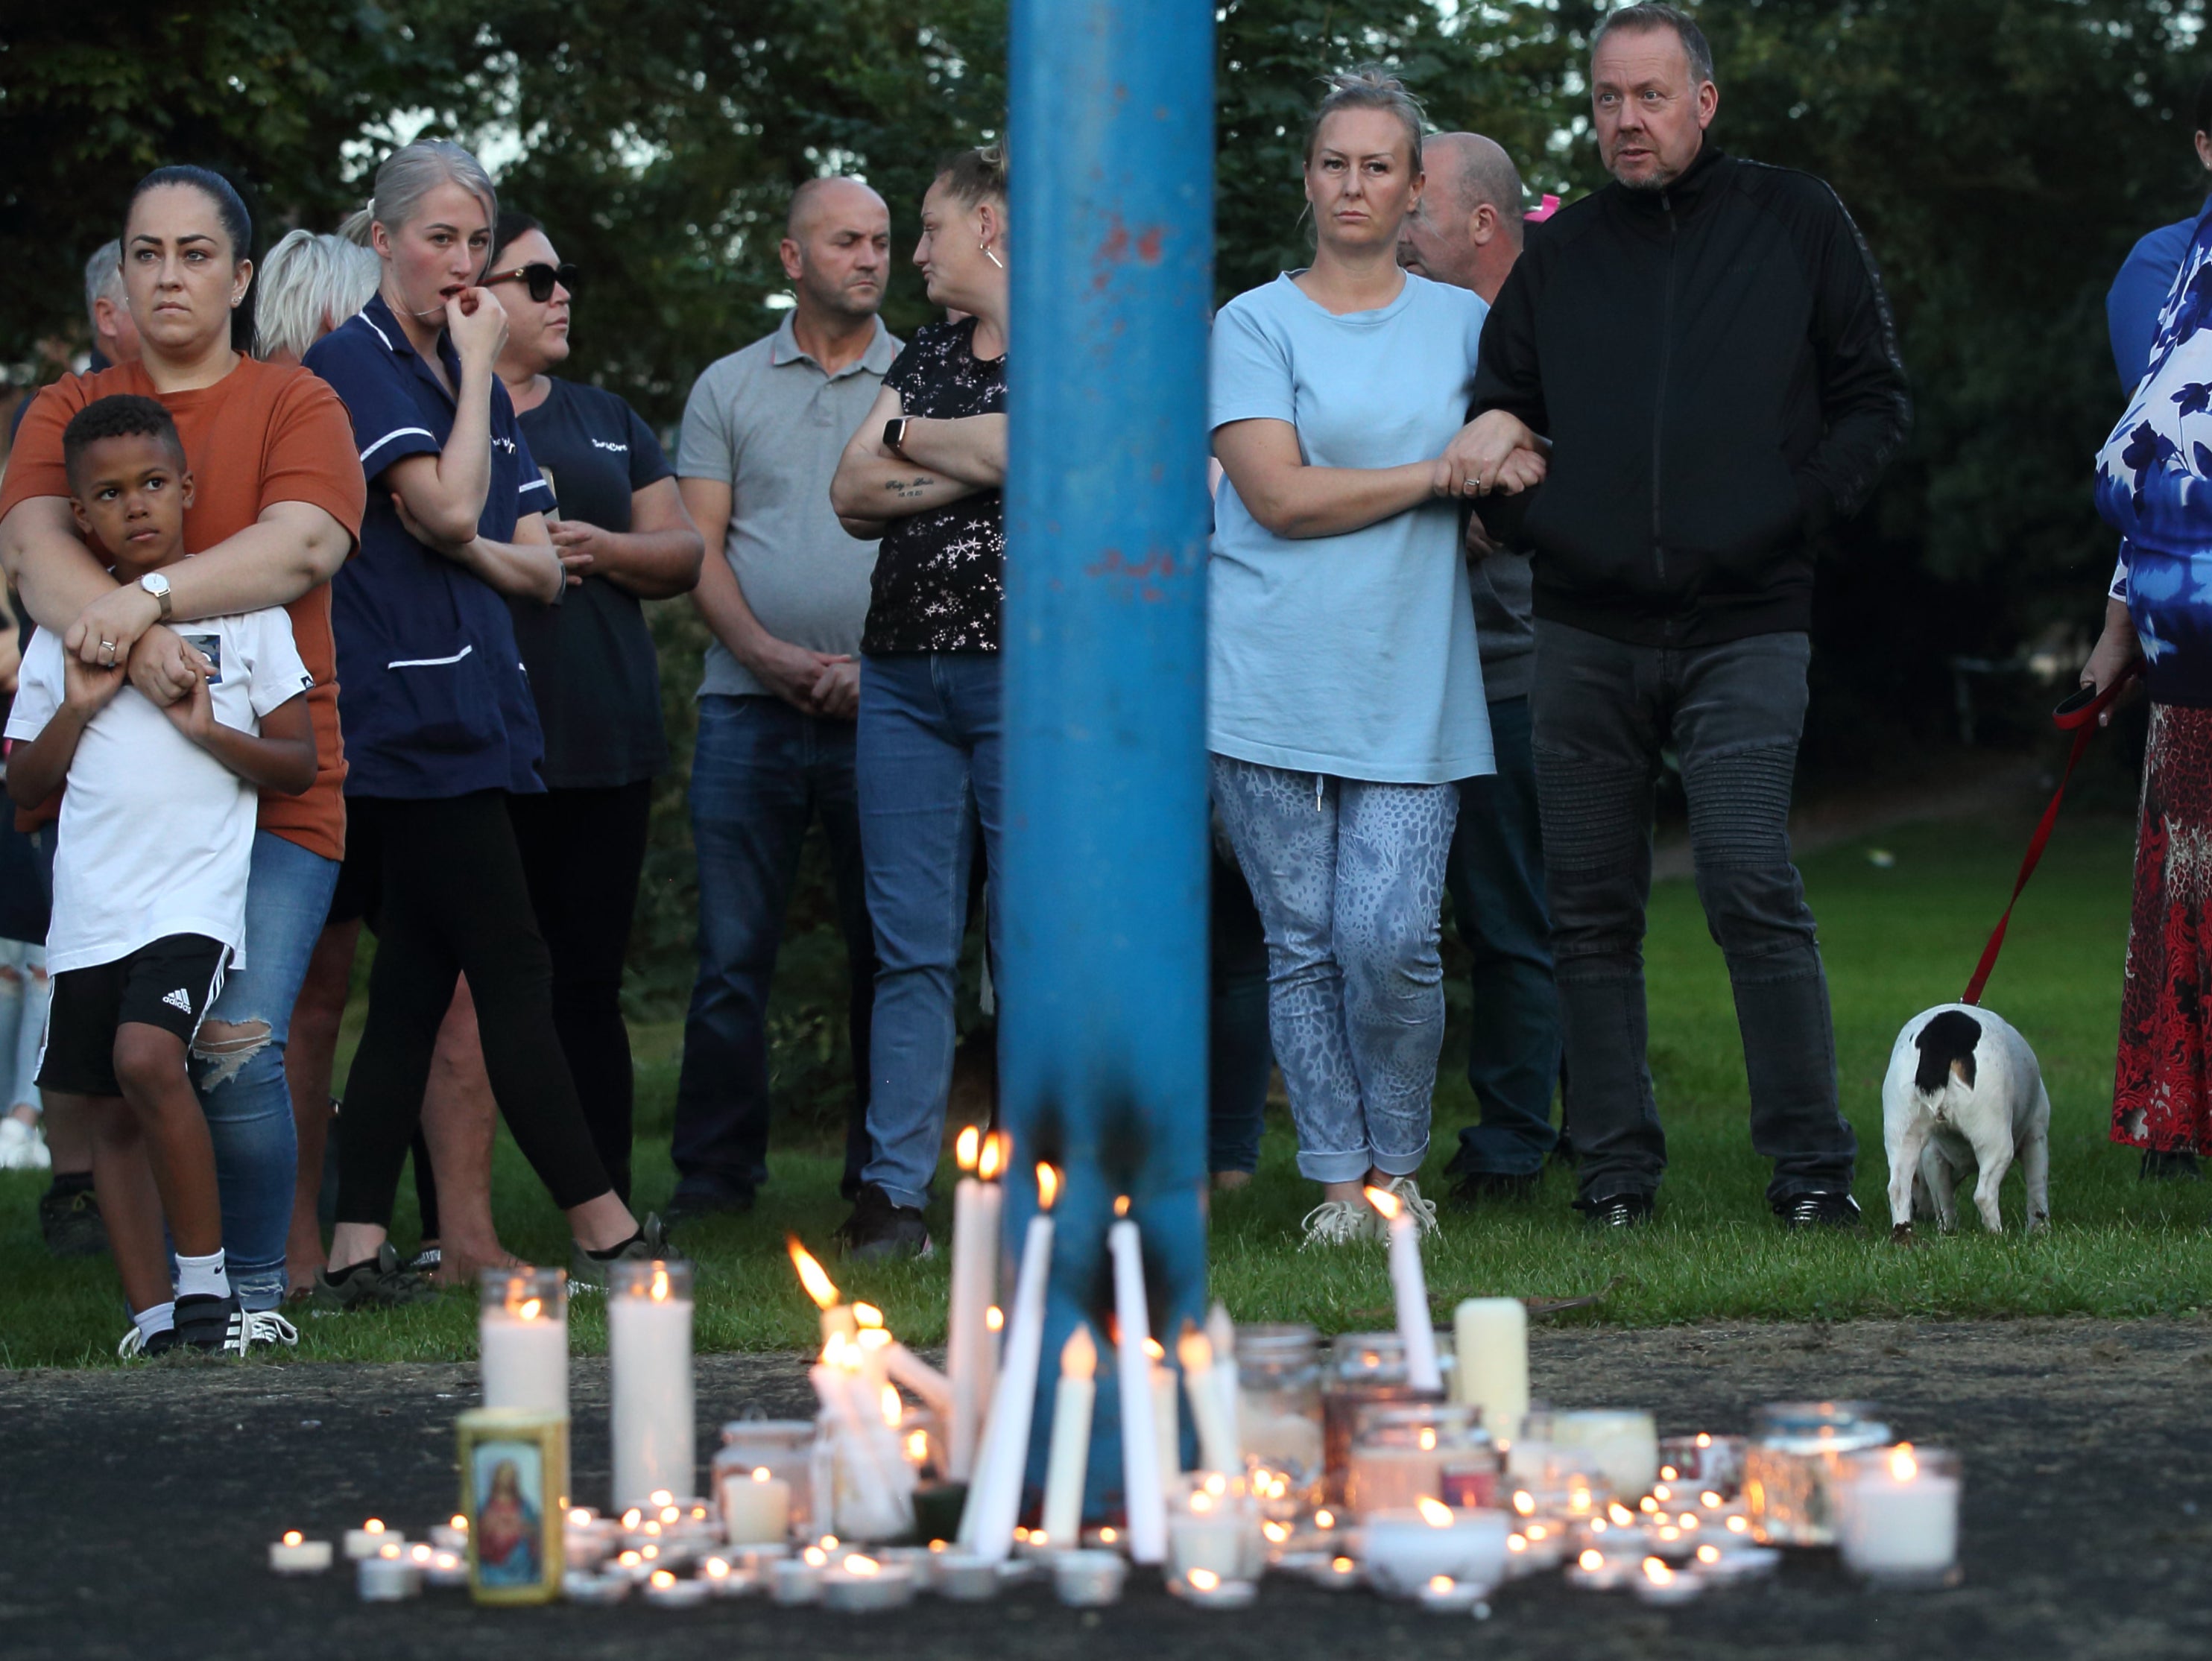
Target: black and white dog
1964 1094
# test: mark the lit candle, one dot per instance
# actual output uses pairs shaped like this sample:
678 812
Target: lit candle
370 1538
665 1589
1069 1462
1490 1335
386 1576
1411 1289
862 1584
294 1555
837 1319
871 1488
1221 1337
994 1493
901 1365
1217 1529
649 1348
1167 1415
522 1338
978 1204
1208 1590
1900 1517
1214 1417
1083 1579
756 1507
1143 1493
1406 1550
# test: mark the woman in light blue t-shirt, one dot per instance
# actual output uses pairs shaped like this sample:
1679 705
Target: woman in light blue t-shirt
1345 695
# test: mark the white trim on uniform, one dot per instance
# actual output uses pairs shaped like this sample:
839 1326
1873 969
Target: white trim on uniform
430 662
395 433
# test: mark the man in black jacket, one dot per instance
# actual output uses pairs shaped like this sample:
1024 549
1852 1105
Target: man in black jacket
1704 350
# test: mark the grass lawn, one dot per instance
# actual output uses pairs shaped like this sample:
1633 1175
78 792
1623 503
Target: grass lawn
1898 938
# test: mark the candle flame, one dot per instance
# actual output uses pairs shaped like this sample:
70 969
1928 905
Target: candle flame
1039 1538
859 1564
580 1518
815 1556
1048 1186
1620 1513
811 1275
872 1337
1201 1502
1342 1565
1324 1518
867 1315
1524 1503
1668 1473
1193 1349
445 1560
1704 1440
1216 1483
1204 1579
659 1284
1384 1202
995 1319
965 1148
1537 1531
1902 1465
1276 1532
917 1447
1657 1572
459 1524
1441 1584
1120 1205
1434 1513
372 1526
894 1409
291 1536
630 1560
420 1553
1739 1525
1079 1356
716 1568
1152 1349
671 1513
1515 1542
1647 1505
1708 1553
760 1473
1428 1439
1709 1500
632 1517
662 1579
530 1309
1107 1536
991 1158
1687 1521
1591 1561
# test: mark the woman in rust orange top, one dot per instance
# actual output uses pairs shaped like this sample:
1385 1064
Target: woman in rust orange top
277 511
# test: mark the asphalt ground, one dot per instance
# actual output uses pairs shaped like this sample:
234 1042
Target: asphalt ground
136 1506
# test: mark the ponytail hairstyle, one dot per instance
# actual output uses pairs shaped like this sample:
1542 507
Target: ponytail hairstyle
974 177
229 207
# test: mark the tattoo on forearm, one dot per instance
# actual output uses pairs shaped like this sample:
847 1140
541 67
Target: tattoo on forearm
909 490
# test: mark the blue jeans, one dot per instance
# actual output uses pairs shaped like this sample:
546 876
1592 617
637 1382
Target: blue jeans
929 747
761 772
241 1079
1496 879
1349 877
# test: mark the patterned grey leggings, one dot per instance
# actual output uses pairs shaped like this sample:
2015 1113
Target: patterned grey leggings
1349 877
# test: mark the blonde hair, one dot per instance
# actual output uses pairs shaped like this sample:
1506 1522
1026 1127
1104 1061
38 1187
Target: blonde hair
974 177
308 285
411 173
1369 86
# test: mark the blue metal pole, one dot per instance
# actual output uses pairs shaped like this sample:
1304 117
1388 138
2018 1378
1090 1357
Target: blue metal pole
1103 1042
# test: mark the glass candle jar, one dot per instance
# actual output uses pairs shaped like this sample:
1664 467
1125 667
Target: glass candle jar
522 1338
1214 1525
1897 1516
1399 1451
1364 1369
1794 1464
1278 1415
757 1452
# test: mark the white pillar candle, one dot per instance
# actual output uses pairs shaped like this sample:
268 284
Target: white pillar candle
1221 1337
1070 1460
1167 1416
1143 1494
994 1496
1898 1516
522 1338
649 1348
902 1366
977 1206
1492 1337
756 1507
1214 1419
1410 1288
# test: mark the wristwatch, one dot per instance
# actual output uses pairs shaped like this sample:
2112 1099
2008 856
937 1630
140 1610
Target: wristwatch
895 435
158 586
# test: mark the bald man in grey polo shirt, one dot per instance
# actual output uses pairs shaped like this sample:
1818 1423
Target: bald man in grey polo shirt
761 435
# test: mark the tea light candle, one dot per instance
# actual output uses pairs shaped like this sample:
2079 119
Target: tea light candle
1087 1578
580 1587
649 1348
1490 1338
1659 1584
1407 1548
861 1584
522 1338
1338 1575
294 1555
1219 1533
1900 1521
1210 1591
1068 1461
1722 1566
1445 1596
452 1535
1593 1571
756 1507
964 1577
370 1538
665 1591
447 1568
387 1578
1146 1497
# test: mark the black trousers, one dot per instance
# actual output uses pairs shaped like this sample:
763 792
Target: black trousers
455 900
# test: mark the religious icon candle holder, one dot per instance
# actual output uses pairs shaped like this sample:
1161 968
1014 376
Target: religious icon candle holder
1796 1461
1279 1411
1364 1369
1399 1451
514 1491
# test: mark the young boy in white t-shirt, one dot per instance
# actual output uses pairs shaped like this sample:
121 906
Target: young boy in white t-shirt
150 865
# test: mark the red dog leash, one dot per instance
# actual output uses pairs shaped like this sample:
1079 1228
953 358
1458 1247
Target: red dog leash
2078 716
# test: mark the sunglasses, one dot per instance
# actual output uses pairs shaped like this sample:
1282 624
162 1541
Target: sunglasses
540 276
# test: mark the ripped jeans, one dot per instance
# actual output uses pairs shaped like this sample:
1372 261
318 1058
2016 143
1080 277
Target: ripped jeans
24 994
237 1062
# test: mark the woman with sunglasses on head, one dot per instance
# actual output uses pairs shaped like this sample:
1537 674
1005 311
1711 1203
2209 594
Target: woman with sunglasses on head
431 681
623 535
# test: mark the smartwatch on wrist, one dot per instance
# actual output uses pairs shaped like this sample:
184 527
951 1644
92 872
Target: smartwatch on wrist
895 435
157 586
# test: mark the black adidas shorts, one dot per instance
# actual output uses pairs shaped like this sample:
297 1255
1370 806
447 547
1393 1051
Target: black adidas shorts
166 983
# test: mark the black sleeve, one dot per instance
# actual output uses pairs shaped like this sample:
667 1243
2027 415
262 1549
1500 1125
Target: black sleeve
1865 401
1507 375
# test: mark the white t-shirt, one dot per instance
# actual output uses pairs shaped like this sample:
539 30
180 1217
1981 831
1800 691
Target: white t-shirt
156 834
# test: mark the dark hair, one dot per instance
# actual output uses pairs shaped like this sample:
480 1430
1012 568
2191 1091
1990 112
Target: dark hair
511 227
229 208
2201 114
1652 14
1369 86
974 176
121 415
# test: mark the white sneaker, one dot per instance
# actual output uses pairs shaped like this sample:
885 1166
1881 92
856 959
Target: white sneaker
23 1147
267 1326
1339 1222
1409 1195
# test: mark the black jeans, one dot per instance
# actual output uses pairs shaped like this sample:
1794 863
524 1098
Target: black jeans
1733 712
454 900
583 851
